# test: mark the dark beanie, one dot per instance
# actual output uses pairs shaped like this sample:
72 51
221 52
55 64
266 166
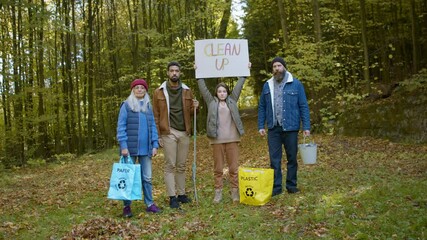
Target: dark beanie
139 82
280 60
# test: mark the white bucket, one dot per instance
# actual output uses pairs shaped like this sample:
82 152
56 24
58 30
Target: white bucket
308 152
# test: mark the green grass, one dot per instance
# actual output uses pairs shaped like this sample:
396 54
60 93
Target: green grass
360 189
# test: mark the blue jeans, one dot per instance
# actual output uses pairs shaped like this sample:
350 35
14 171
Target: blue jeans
276 138
147 186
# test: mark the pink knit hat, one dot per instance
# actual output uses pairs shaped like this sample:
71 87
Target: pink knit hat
139 82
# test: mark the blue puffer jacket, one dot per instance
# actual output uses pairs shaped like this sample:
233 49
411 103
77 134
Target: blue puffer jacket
295 105
132 126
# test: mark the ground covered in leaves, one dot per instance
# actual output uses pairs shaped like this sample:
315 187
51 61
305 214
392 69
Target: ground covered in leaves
361 188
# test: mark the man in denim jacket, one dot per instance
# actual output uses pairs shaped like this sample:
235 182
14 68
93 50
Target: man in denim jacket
283 105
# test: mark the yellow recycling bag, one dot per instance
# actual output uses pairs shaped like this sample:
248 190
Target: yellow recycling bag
255 185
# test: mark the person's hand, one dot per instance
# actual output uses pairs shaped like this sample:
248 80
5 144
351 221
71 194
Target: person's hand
160 142
249 66
262 132
154 153
306 133
125 152
195 103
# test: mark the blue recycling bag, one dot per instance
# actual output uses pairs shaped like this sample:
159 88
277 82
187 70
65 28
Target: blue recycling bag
125 181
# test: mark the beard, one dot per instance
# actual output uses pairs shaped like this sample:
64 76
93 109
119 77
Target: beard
174 79
278 76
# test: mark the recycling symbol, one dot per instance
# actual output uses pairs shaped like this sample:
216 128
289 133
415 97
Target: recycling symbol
122 184
249 192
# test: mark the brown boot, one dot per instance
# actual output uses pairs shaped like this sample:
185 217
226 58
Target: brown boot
218 196
235 195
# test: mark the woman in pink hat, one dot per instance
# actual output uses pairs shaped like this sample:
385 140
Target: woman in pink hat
137 136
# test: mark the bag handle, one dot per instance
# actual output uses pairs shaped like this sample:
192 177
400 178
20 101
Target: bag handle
126 159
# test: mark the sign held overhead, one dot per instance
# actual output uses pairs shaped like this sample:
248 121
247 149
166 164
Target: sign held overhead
221 58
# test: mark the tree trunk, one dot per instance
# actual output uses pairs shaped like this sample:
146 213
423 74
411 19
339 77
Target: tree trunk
414 38
317 28
99 91
66 75
133 22
43 139
90 77
29 86
56 88
226 13
16 145
284 24
70 82
365 45
79 137
5 88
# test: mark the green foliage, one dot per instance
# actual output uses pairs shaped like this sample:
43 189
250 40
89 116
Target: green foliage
397 114
106 50
36 162
332 69
247 99
125 40
63 158
349 99
416 82
327 122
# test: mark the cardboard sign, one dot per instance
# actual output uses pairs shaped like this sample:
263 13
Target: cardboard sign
221 58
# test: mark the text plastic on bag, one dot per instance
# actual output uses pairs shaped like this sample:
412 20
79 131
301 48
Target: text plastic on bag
255 185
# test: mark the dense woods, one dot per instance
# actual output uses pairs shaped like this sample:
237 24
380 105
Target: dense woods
66 65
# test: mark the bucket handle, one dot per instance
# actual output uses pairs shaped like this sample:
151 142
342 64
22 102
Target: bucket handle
310 138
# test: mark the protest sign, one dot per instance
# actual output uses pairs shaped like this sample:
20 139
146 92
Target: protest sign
221 58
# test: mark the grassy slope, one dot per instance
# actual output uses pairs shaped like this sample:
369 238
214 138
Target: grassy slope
361 188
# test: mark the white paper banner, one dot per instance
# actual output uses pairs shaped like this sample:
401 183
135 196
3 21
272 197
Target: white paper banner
221 58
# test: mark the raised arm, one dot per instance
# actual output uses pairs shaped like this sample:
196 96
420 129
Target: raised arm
235 94
207 96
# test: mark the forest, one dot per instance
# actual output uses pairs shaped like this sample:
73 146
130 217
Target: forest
66 65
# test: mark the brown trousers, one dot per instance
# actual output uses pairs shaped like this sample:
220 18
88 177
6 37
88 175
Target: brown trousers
226 152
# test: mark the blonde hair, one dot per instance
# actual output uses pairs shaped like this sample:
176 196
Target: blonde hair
135 105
